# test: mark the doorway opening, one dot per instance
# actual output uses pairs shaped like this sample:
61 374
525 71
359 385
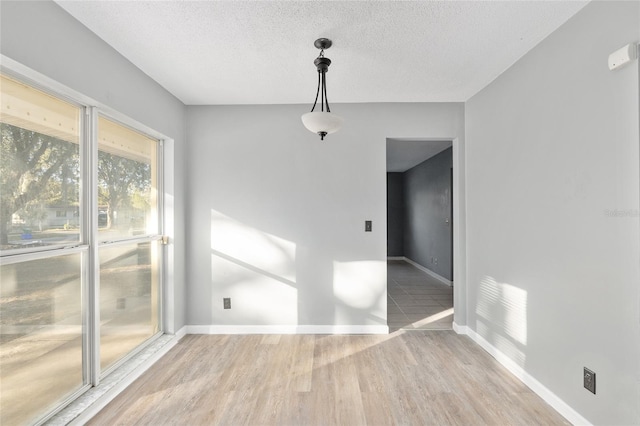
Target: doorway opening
420 234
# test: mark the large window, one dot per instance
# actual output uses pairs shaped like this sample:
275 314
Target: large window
127 182
129 270
41 359
80 245
40 169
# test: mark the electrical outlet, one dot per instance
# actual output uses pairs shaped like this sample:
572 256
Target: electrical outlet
226 302
367 226
589 378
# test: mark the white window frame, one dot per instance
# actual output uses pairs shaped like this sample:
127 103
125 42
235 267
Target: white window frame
89 244
96 372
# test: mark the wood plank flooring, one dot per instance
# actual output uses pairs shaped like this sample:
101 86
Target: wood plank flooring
410 377
406 378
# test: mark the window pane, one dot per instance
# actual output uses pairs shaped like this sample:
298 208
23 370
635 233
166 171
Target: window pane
39 168
127 182
40 336
128 298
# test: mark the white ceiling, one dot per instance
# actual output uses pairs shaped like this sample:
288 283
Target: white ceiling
261 52
403 154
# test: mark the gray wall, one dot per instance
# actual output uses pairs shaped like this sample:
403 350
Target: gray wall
395 214
427 234
276 216
552 151
47 39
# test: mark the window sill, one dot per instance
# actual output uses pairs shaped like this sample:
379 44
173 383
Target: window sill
95 399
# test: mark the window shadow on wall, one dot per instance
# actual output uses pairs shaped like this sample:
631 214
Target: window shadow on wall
273 281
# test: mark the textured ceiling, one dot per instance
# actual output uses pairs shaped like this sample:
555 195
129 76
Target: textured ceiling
403 154
237 52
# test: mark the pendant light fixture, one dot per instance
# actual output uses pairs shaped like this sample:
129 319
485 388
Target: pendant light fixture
322 122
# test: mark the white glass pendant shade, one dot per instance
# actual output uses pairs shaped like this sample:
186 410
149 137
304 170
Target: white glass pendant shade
322 122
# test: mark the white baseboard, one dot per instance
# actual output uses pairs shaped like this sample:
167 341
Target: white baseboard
460 329
287 329
542 391
395 257
438 277
181 333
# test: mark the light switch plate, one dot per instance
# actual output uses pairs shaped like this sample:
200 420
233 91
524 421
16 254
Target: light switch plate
589 380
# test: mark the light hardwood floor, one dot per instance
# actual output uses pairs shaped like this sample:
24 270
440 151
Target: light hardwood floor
408 377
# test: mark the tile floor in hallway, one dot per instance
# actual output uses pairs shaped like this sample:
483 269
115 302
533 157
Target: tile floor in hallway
415 300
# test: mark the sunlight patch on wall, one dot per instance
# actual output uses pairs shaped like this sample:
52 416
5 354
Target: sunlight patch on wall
505 307
256 270
360 286
253 248
263 300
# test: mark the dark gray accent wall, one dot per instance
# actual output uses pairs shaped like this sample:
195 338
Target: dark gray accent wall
395 214
428 235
